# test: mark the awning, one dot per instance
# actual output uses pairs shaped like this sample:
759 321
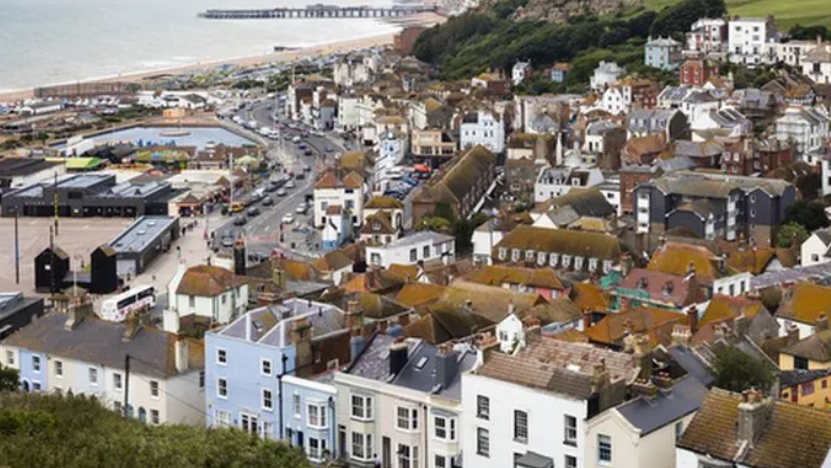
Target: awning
533 460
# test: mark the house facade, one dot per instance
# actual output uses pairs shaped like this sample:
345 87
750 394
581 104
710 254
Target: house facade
423 246
662 53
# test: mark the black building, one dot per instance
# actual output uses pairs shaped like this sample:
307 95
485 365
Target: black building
143 240
17 311
51 266
88 195
103 270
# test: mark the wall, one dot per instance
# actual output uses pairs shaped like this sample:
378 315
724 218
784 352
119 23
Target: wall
315 393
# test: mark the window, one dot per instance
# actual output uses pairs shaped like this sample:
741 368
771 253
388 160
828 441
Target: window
268 401
503 253
361 407
10 358
800 363
93 376
571 462
679 429
361 446
36 386
604 449
265 367
58 368
426 252
154 388
570 425
406 418
316 416
191 302
248 423
221 356
445 428
483 442
222 388
35 363
201 379
316 448
483 407
295 402
117 384
520 426
154 416
807 388
407 456
413 255
222 418
441 461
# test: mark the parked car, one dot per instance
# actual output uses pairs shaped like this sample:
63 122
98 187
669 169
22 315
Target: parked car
329 149
240 221
300 176
290 184
308 152
227 241
282 192
268 201
252 212
301 209
288 218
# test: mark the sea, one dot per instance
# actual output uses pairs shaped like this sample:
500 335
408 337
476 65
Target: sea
45 42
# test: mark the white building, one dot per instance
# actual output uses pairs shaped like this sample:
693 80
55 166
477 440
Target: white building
391 151
817 63
350 72
347 193
556 181
533 408
606 74
520 72
356 111
815 249
207 291
805 127
86 356
790 52
422 246
748 38
616 100
484 128
707 35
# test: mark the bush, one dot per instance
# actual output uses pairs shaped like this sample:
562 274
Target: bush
736 371
811 215
791 234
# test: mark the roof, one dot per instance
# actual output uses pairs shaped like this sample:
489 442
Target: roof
433 238
674 258
753 260
723 307
497 275
416 294
207 280
648 415
691 363
339 259
699 149
715 185
12 167
377 223
584 202
792 435
383 203
101 342
142 233
490 302
805 302
662 287
558 366
589 297
790 378
444 322
576 243
656 323
559 310
455 184
816 347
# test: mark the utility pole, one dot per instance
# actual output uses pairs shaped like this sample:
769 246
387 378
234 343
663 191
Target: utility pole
126 385
52 259
16 251
55 198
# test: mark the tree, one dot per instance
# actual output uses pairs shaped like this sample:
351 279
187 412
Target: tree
77 432
736 371
9 379
809 214
678 18
791 234
434 223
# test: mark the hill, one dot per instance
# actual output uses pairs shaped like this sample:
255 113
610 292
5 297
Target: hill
787 13
75 432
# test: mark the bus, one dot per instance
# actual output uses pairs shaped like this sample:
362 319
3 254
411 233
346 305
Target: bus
116 308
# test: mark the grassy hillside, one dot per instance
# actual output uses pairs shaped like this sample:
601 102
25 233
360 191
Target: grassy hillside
787 12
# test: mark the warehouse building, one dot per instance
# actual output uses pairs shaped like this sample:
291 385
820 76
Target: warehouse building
143 240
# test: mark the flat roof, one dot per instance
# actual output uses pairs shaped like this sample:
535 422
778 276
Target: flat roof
11 302
141 233
11 167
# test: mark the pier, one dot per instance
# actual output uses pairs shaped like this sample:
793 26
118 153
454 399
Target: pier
318 12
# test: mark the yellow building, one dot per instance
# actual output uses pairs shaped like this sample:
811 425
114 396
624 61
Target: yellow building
806 387
811 353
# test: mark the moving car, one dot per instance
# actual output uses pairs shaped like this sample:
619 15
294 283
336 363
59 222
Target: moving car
227 241
308 152
290 184
288 218
240 221
268 201
282 192
253 212
301 209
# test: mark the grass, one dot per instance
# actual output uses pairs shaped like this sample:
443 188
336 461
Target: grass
787 12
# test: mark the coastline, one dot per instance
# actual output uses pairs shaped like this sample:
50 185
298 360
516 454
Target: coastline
247 61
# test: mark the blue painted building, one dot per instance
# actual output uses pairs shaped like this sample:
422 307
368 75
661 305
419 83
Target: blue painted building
663 53
310 415
559 72
246 360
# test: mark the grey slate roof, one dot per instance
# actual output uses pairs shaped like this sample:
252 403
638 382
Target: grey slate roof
534 460
790 378
650 414
691 363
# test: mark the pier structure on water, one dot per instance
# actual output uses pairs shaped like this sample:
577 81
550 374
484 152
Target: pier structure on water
319 11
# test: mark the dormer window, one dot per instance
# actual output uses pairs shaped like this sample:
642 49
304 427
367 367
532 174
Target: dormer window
541 258
376 226
529 255
503 253
554 259
515 255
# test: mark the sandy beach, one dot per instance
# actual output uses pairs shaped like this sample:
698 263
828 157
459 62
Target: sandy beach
252 61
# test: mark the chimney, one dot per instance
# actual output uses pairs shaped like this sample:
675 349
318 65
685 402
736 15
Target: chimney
447 365
131 327
354 316
181 350
741 325
681 335
356 344
170 321
642 354
279 276
821 323
239 258
645 389
398 355
76 314
663 381
753 415
690 270
692 319
626 264
587 320
301 337
793 334
600 376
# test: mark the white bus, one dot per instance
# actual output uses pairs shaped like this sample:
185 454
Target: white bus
116 308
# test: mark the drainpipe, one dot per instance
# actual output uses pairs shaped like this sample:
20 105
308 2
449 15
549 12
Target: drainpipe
283 372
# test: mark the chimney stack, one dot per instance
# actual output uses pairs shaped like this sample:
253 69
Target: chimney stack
279 276
239 258
356 344
170 321
753 415
181 350
692 319
793 334
76 314
398 355
587 320
131 327
681 335
600 377
447 365
741 325
354 316
822 322
301 337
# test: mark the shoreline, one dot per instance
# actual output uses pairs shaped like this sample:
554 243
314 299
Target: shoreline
244 61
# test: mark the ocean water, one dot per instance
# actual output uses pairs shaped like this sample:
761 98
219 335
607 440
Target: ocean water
63 41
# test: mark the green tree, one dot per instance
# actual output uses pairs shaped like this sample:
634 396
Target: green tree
77 432
736 371
434 223
809 33
809 214
9 379
678 18
791 234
